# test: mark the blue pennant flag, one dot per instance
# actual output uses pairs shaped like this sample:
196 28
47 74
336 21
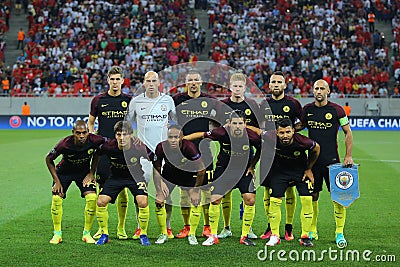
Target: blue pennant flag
344 184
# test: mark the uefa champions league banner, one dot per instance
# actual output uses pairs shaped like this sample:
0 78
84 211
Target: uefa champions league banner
344 185
65 122
389 123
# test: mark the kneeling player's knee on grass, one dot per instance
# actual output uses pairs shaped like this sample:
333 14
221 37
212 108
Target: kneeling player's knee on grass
142 201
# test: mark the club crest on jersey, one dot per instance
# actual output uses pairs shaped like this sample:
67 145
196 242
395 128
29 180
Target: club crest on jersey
124 104
163 107
183 160
90 151
296 153
328 116
286 108
133 160
204 104
344 180
247 111
245 147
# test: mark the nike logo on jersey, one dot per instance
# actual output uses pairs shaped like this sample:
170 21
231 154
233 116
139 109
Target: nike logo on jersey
184 103
224 144
142 108
113 158
104 105
309 114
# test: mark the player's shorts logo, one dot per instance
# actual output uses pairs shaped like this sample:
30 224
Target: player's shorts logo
163 107
328 116
296 153
124 104
133 160
245 147
183 160
15 121
247 111
90 151
204 104
286 108
344 180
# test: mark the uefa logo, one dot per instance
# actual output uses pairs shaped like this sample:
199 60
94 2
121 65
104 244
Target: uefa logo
15 121
344 180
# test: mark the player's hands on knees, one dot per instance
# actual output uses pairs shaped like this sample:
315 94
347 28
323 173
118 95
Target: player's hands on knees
195 196
89 179
160 199
58 189
308 175
348 162
164 190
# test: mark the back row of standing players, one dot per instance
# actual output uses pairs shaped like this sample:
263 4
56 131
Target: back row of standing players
151 111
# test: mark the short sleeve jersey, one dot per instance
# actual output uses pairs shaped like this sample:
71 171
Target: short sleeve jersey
109 110
151 116
75 159
236 149
124 164
287 107
174 161
292 159
194 113
249 107
323 125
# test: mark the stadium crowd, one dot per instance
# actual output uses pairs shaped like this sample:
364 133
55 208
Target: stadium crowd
307 40
70 45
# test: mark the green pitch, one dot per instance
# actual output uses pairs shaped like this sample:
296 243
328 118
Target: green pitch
26 227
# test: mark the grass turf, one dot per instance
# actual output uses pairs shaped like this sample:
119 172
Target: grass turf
26 227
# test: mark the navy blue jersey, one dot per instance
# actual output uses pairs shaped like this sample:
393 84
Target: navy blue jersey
194 113
239 150
323 125
174 161
75 159
287 107
124 164
291 159
109 110
249 107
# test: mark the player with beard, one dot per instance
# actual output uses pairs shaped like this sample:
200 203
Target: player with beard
236 147
274 108
323 119
194 110
237 101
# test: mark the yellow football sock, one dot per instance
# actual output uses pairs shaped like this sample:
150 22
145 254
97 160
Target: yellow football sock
144 214
306 215
206 206
340 217
185 211
275 215
266 200
122 207
227 208
102 218
290 201
56 212
90 210
248 216
214 218
195 213
161 214
315 216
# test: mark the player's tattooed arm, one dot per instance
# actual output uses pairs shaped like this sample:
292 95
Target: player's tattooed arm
194 136
348 160
90 123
